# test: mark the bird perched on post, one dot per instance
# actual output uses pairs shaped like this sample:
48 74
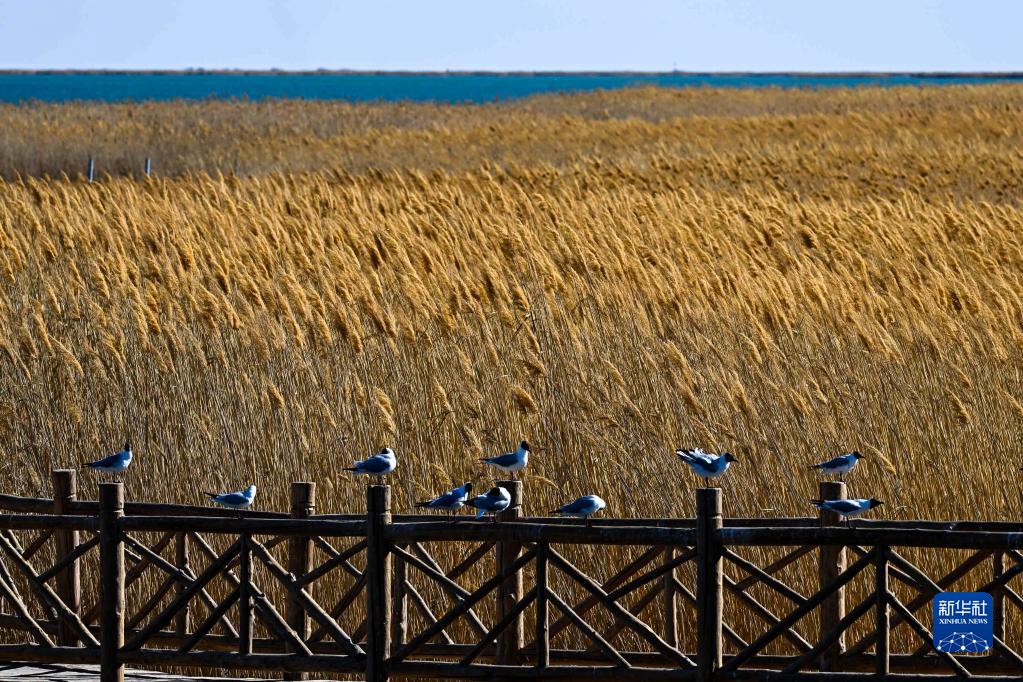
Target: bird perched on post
583 508
379 465
450 501
840 465
496 500
238 501
705 464
511 461
115 463
847 509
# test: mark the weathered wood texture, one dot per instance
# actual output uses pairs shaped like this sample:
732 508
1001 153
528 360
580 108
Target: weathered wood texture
378 567
510 592
831 564
709 579
300 562
69 587
111 553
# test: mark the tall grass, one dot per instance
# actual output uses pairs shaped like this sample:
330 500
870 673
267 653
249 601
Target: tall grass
783 275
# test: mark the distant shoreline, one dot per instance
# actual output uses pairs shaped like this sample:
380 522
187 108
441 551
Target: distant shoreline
936 75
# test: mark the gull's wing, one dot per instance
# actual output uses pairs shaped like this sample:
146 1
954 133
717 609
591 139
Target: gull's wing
836 462
507 459
109 460
445 500
231 498
573 507
375 464
703 464
698 453
584 504
844 506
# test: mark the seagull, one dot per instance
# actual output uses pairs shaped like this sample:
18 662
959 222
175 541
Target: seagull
840 465
706 465
511 461
115 463
378 465
238 501
583 508
450 501
847 508
496 500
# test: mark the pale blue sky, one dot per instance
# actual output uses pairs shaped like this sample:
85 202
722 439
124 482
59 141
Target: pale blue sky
693 35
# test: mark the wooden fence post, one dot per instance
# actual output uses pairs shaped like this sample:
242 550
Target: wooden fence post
245 597
300 562
831 564
182 621
378 587
69 581
513 639
709 579
998 596
111 561
399 602
669 600
882 622
543 631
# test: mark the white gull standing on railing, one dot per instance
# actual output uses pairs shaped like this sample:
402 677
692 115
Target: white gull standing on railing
705 464
115 463
496 500
840 465
510 461
450 501
238 501
848 508
583 508
378 466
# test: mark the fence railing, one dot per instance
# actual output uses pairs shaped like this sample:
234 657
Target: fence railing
707 598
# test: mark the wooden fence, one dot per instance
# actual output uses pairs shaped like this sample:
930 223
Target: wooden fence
385 595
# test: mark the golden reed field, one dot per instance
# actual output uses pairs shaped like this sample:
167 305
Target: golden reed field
785 275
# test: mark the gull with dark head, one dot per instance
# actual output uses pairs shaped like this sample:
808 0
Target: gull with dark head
583 507
840 465
450 501
706 465
238 501
378 466
496 500
511 461
115 463
848 509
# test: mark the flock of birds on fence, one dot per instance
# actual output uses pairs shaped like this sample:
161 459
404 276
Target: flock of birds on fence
704 464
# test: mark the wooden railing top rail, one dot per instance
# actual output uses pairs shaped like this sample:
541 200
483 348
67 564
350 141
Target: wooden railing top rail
526 531
621 532
873 536
44 505
250 526
47 522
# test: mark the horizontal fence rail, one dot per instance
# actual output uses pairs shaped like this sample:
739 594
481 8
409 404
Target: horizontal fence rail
120 583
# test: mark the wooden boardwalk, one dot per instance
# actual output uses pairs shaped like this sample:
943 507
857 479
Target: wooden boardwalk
378 595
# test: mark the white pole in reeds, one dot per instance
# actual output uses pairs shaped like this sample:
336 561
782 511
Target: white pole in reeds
92 168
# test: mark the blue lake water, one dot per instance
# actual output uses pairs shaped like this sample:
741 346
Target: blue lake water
438 87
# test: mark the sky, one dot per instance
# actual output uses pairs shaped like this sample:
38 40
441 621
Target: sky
531 35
